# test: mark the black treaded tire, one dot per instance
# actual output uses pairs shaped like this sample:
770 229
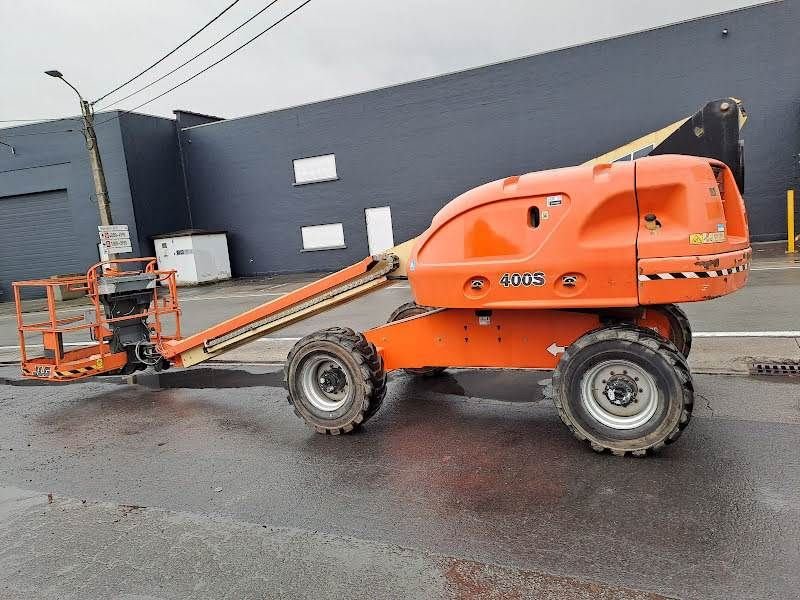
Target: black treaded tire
365 377
410 309
680 328
646 350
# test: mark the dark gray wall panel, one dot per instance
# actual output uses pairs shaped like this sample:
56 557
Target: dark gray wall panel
185 118
141 162
30 180
154 175
416 146
52 156
38 238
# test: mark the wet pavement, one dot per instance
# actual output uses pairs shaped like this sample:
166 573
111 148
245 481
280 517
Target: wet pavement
469 484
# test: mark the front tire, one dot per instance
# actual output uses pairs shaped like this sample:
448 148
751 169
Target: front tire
336 380
623 389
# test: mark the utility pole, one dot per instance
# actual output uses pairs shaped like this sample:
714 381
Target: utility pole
95 162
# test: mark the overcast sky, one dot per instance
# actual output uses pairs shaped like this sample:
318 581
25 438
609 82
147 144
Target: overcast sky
329 48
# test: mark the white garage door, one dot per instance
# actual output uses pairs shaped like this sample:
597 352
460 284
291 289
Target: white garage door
36 238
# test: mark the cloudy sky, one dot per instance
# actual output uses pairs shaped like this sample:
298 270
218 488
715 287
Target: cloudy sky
328 48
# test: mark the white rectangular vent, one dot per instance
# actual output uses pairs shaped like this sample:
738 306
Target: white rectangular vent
323 237
314 169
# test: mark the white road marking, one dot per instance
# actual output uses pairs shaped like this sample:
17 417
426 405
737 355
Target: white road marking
739 334
259 295
44 312
775 267
275 287
42 345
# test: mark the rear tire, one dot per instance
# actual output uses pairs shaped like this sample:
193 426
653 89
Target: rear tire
336 380
680 328
410 309
624 389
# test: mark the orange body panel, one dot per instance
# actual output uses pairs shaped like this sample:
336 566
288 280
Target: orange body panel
75 364
579 237
585 228
520 339
698 211
461 338
692 278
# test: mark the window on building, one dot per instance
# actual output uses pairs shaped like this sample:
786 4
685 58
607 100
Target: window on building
314 169
323 237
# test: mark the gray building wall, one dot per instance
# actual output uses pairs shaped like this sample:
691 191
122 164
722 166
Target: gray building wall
52 156
185 119
415 146
150 146
140 160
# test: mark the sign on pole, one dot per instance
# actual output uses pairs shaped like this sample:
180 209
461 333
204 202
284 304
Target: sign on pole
115 238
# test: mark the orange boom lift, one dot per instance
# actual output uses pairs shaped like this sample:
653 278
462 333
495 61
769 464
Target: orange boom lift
576 270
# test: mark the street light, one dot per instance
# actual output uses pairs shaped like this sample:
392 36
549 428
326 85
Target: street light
99 178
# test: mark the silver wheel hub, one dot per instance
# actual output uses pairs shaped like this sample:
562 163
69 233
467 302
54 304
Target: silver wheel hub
325 382
621 390
619 394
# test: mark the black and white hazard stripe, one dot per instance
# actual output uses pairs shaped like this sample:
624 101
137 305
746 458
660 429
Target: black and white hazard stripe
694 274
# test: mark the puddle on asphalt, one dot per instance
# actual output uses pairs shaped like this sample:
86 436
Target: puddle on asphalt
505 386
216 378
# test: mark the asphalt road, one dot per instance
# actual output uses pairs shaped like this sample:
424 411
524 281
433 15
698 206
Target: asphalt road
467 486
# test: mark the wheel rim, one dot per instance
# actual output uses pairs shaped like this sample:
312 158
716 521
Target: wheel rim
619 394
325 382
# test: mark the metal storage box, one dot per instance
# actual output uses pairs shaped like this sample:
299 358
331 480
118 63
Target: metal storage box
197 255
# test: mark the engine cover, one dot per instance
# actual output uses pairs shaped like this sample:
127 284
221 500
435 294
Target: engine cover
573 237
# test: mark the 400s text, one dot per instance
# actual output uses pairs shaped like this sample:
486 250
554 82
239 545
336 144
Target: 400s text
522 279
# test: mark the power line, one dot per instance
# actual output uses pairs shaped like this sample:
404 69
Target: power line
9 135
214 64
198 55
43 120
170 53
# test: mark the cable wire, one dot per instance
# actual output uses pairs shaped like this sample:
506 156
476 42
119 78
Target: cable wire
38 121
170 53
43 120
214 64
10 135
198 55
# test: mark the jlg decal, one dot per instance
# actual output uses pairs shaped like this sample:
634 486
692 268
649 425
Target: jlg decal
522 279
41 371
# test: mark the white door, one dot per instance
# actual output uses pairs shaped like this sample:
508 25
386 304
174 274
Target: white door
379 229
